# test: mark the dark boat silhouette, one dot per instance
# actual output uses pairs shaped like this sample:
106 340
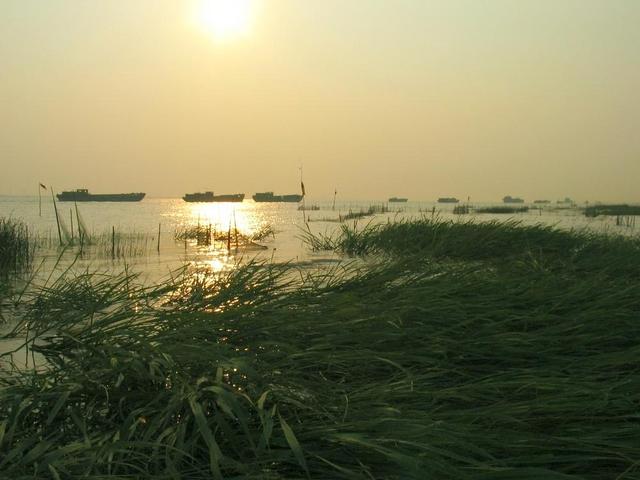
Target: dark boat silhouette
270 197
210 197
83 195
397 200
448 200
510 199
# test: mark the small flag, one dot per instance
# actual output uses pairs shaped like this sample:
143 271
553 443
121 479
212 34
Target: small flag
302 187
43 186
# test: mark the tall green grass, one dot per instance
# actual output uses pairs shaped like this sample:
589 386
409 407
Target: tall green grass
16 247
499 241
469 351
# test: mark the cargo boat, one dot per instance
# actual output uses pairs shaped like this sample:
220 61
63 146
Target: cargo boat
510 199
210 197
270 197
448 200
83 195
397 200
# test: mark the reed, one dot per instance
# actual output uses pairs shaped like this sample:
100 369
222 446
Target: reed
16 247
461 209
372 210
469 351
502 210
501 241
612 210
206 235
116 244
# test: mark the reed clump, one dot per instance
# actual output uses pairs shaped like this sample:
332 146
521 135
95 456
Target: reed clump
206 235
502 209
612 210
468 350
371 210
16 247
116 244
461 209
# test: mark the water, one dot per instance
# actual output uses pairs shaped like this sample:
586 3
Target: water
136 225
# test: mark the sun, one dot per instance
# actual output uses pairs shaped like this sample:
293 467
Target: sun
225 20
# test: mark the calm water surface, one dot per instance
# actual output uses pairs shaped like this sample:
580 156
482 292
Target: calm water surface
136 224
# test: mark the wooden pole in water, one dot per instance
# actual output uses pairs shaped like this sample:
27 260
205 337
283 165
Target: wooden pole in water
113 242
75 204
39 201
159 237
235 228
335 192
229 238
71 218
55 208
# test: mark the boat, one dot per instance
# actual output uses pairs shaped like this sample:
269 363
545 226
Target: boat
270 197
210 197
510 199
448 200
397 200
83 195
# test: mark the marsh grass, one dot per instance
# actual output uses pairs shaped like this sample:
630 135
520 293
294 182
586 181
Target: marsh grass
205 235
628 221
502 210
371 210
461 209
467 351
16 247
116 245
612 210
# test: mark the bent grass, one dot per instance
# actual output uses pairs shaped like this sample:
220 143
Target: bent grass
469 351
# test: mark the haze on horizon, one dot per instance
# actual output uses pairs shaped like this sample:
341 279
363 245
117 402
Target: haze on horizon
417 98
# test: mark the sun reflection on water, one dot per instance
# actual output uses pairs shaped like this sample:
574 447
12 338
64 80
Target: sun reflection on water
224 216
218 235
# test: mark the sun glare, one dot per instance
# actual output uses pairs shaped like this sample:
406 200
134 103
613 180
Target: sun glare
225 20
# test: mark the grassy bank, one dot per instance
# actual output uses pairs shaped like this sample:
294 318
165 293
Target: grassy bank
467 351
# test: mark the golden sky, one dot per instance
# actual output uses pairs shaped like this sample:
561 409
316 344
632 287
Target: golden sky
417 98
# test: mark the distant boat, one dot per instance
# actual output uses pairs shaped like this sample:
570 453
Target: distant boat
270 197
210 197
510 199
541 201
448 200
83 195
397 200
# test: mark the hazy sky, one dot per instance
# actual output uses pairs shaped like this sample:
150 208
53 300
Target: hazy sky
418 98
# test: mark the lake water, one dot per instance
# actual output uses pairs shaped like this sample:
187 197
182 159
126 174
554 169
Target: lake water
136 225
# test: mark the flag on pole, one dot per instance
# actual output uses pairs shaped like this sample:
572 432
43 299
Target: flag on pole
302 187
43 186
